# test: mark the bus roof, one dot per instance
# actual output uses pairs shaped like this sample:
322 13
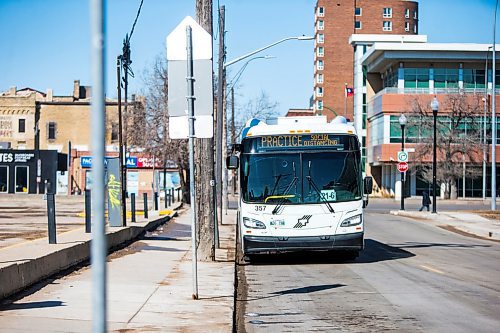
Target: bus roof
294 125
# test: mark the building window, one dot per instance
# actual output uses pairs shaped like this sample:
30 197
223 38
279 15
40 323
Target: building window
415 14
407 13
321 25
114 132
357 24
415 28
357 11
51 130
321 51
387 13
319 91
22 125
4 179
319 65
407 26
445 78
319 78
416 78
387 26
319 105
321 11
321 38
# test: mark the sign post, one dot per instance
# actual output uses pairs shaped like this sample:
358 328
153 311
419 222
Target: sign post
189 55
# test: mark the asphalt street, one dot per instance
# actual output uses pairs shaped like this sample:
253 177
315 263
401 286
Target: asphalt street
411 277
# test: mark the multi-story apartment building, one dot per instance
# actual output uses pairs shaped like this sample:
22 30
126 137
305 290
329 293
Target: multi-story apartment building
335 22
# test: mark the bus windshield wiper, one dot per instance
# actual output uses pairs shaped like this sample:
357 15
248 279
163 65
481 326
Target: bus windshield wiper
284 196
311 182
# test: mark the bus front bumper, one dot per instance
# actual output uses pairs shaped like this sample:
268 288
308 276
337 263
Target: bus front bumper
345 242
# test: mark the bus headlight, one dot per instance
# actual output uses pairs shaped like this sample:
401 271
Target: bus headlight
352 221
254 224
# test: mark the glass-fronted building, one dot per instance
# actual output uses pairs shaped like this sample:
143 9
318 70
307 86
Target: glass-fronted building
390 76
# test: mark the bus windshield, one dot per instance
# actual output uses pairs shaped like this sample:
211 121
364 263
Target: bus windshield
306 177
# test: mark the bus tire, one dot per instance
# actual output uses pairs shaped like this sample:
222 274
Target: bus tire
351 255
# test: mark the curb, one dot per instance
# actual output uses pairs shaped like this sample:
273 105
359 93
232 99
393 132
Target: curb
26 272
486 231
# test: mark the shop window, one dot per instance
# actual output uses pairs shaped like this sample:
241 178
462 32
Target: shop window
22 180
4 179
22 125
51 130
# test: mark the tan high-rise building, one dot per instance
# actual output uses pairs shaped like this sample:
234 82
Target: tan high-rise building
335 22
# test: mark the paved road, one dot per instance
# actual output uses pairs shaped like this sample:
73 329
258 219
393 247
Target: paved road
412 277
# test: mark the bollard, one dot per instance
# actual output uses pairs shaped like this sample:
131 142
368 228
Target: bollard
173 194
132 205
145 196
88 212
169 197
178 194
51 214
165 198
155 198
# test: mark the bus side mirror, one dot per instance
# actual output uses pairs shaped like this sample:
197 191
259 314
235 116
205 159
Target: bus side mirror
232 162
368 182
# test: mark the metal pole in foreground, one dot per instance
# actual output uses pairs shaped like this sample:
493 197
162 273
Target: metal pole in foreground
494 122
98 244
435 109
190 100
402 122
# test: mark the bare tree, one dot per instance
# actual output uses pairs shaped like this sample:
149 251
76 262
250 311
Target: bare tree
155 137
458 138
260 107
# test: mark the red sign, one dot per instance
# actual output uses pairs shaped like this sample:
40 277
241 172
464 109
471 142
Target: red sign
402 166
147 162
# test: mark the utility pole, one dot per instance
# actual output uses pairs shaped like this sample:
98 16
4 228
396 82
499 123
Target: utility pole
220 114
120 138
204 162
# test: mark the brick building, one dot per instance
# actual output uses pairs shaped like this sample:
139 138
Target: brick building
335 22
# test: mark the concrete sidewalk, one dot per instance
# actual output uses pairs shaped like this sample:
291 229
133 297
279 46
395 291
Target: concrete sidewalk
467 222
165 306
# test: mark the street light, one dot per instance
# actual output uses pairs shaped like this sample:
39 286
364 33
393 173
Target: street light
229 63
435 108
402 122
221 113
493 121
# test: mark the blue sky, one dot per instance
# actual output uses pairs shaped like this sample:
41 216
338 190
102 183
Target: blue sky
45 44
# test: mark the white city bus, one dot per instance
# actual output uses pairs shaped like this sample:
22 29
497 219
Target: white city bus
301 186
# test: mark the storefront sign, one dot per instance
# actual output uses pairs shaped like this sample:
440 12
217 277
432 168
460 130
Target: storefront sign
148 162
16 157
131 162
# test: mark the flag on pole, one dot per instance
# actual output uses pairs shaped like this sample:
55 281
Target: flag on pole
349 91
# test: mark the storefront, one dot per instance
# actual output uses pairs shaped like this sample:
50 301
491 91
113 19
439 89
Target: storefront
22 172
143 174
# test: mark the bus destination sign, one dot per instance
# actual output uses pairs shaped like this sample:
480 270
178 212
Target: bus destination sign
300 141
